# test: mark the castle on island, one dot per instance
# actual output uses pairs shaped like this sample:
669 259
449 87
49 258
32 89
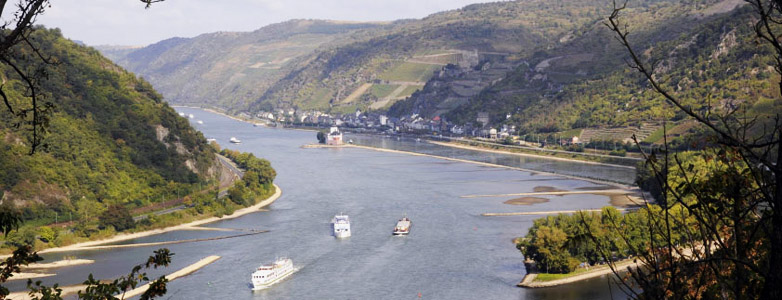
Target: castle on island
334 137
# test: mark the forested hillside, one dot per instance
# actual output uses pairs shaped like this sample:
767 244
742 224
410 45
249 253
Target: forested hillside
111 141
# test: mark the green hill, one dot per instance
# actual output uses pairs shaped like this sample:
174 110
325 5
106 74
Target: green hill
111 141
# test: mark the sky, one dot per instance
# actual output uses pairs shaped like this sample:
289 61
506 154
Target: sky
126 22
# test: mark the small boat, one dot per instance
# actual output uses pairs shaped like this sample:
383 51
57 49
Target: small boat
417 139
211 140
191 116
235 140
257 124
181 114
200 122
350 141
267 275
341 226
403 226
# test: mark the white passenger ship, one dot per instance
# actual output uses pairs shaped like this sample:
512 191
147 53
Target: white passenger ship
267 275
341 224
403 226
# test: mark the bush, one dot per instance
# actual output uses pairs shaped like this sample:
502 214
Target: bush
116 216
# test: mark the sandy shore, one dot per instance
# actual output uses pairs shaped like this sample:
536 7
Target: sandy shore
461 146
529 279
187 226
67 290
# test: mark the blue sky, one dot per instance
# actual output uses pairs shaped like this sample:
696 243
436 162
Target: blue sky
126 22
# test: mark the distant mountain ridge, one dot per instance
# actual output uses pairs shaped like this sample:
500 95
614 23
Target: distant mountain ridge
231 69
512 60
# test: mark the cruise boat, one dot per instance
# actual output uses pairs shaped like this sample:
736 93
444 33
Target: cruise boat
403 226
341 225
267 275
234 140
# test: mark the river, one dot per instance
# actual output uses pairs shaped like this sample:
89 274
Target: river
452 251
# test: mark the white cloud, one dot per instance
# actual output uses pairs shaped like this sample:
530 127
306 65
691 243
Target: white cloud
126 22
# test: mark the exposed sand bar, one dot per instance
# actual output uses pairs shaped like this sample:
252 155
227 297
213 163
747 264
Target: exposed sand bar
461 146
187 226
556 193
536 213
592 180
102 247
60 263
67 290
182 272
597 271
28 275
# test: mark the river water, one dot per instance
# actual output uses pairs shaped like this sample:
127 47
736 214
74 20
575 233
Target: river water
452 251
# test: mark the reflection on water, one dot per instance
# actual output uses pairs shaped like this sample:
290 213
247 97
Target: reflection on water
452 251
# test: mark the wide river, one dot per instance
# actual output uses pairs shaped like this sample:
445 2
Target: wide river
452 251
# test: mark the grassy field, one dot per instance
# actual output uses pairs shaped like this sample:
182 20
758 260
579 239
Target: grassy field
408 71
319 98
571 133
409 90
550 277
382 90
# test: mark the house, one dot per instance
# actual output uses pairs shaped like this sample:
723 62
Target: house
334 137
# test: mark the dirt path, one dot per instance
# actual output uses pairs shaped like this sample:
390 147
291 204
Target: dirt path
357 93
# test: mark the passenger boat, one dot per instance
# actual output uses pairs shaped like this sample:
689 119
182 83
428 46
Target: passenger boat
267 275
341 225
403 226
235 140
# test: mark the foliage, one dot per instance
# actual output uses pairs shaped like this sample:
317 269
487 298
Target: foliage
117 216
112 140
257 180
559 243
321 137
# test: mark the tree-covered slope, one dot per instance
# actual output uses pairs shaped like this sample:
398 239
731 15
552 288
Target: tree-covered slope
111 140
229 69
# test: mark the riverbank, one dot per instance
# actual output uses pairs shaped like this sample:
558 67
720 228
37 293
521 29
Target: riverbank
186 226
531 280
592 180
551 157
68 290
